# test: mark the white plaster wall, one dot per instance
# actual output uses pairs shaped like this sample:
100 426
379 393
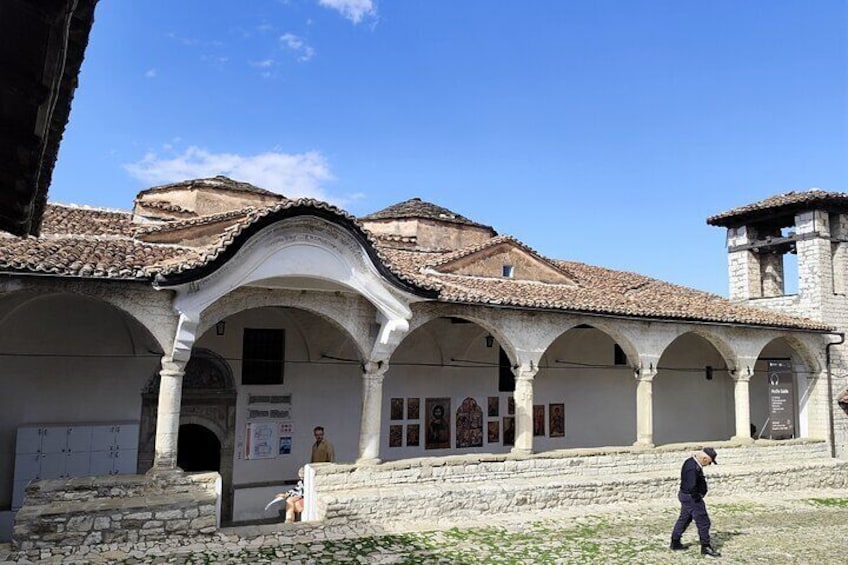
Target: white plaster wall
324 392
96 366
687 406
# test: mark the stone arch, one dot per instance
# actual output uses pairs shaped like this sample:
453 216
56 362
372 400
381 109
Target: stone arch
208 400
694 383
327 308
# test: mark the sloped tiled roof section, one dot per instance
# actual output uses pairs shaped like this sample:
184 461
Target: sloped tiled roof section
787 203
86 242
417 208
596 291
218 182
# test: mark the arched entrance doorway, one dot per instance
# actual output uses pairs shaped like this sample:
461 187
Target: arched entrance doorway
207 422
198 449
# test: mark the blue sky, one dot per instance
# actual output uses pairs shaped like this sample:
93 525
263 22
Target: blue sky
593 130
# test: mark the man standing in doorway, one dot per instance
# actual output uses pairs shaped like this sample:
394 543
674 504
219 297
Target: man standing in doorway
693 489
322 450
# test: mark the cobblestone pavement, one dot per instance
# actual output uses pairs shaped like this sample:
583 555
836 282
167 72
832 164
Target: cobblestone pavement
808 527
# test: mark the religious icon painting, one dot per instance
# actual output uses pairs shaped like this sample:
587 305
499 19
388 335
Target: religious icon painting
510 406
395 435
494 431
396 412
469 424
412 409
556 420
494 407
412 434
437 413
539 420
509 430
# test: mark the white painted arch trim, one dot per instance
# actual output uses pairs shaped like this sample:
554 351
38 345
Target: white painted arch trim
303 247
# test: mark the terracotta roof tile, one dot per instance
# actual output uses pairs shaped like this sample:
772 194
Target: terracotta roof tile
417 208
162 205
177 225
808 199
218 182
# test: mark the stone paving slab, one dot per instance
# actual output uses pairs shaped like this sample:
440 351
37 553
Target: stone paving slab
797 527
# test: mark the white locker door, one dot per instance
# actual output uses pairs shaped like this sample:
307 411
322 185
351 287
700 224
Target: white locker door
78 464
102 438
53 465
126 462
102 463
126 436
79 439
29 440
27 466
54 439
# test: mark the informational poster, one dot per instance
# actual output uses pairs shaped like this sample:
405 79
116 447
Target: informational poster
469 424
781 400
262 440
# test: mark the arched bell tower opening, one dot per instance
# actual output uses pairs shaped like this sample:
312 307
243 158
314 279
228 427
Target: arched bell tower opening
198 449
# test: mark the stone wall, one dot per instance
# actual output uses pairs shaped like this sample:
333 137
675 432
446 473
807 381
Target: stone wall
117 509
430 490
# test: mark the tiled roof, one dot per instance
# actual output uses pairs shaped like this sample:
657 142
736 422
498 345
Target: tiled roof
87 242
598 290
177 225
219 182
162 205
417 208
787 202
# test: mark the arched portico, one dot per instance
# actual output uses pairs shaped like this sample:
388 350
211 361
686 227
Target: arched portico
68 357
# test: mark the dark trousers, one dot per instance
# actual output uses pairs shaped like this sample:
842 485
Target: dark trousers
692 510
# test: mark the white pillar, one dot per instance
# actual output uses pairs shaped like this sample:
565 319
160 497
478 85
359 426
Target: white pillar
645 407
524 409
168 415
372 405
742 403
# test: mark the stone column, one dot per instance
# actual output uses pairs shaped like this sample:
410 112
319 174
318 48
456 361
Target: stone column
372 404
524 409
645 407
168 415
742 401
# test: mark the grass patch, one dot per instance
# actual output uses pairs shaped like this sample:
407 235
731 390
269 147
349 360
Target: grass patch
829 502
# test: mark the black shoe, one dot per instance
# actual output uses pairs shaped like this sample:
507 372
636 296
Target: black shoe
709 551
676 545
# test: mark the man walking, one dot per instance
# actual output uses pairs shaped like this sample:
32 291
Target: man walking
693 489
322 450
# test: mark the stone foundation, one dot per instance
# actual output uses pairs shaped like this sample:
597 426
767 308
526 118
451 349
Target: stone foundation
443 490
117 509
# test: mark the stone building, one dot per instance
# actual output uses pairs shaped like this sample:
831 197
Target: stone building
803 235
213 326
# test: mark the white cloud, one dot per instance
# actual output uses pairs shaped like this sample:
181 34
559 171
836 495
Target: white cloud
294 175
264 64
151 73
354 10
294 43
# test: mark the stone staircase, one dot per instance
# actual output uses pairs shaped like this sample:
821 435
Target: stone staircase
398 495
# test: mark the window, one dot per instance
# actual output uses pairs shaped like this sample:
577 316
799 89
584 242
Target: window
263 357
506 378
507 271
618 355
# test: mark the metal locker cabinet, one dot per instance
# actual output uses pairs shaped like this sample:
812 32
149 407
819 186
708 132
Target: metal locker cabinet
102 463
79 439
28 440
54 439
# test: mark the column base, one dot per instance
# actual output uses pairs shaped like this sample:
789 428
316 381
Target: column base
643 444
520 451
369 461
164 472
742 439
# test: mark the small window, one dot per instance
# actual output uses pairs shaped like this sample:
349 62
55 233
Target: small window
507 271
619 356
506 378
263 357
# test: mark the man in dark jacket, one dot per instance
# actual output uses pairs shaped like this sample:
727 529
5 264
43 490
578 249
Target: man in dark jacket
693 489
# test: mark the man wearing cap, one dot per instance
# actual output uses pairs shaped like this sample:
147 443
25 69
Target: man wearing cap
693 489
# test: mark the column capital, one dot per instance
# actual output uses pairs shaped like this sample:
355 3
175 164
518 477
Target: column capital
374 369
645 374
525 372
